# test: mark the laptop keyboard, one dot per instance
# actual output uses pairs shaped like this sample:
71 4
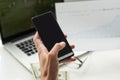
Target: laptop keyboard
28 47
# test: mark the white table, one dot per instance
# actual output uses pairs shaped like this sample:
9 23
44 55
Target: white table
10 69
100 65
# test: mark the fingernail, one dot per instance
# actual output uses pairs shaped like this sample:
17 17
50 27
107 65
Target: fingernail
62 43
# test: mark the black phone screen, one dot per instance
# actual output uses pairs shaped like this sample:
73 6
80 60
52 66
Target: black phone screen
51 33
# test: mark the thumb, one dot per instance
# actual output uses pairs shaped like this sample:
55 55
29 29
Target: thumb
57 47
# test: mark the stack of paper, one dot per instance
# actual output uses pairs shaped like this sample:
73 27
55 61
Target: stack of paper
90 25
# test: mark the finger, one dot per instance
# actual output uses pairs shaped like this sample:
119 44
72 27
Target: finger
57 47
38 43
65 35
72 46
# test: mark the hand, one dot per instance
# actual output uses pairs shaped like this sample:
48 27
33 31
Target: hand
48 59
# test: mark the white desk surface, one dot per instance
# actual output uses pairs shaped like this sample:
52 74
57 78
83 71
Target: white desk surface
100 65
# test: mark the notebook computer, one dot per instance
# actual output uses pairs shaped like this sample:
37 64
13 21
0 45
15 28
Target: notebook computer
17 30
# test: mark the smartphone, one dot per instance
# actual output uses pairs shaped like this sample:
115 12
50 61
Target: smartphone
51 33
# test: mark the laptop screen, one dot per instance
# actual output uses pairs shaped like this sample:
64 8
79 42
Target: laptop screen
15 16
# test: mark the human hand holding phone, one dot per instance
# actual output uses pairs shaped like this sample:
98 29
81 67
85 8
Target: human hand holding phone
48 59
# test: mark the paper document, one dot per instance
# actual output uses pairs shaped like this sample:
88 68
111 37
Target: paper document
91 25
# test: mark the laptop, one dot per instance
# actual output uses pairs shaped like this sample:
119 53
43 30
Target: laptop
17 30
